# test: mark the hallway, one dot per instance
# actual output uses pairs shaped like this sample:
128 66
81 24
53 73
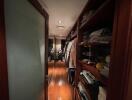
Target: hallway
59 88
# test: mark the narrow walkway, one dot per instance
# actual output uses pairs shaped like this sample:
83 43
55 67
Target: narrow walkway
58 88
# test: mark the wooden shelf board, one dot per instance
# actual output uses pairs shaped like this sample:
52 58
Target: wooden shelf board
86 89
77 96
102 15
94 43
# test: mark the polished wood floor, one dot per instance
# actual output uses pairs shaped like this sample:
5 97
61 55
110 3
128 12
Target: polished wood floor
58 88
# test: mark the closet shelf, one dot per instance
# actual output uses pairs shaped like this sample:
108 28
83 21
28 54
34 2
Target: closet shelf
87 43
87 91
94 71
104 14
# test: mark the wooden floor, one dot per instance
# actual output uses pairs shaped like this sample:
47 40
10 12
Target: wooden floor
58 88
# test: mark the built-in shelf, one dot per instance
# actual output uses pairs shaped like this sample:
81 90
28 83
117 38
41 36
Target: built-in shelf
85 89
88 88
77 96
94 71
87 43
98 14
104 14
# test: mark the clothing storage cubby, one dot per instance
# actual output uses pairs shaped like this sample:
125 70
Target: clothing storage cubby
93 31
94 45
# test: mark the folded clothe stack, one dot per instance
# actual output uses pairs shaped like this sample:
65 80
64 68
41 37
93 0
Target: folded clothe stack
82 92
85 35
100 36
105 71
88 76
85 60
101 32
102 93
92 82
103 40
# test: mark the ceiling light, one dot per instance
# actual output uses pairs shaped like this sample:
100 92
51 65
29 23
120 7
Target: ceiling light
60 27
60 22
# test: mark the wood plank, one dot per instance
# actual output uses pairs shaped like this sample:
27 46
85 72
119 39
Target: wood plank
102 16
121 55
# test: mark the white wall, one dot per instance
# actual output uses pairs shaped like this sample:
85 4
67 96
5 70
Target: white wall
24 27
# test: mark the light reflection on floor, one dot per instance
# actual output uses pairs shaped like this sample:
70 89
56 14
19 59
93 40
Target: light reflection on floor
58 88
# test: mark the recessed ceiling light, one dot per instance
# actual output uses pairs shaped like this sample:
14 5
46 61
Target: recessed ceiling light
60 22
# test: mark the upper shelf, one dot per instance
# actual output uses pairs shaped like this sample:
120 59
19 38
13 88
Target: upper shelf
86 43
104 14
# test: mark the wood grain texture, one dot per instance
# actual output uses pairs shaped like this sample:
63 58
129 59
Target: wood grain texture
120 83
4 95
59 88
128 90
121 54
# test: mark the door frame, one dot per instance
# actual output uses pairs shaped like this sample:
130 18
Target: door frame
44 13
120 83
4 91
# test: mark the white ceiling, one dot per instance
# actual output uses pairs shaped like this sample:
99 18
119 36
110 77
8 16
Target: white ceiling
65 10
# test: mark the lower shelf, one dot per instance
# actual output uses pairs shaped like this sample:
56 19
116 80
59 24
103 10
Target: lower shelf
77 96
94 71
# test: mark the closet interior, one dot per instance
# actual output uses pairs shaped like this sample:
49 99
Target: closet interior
88 50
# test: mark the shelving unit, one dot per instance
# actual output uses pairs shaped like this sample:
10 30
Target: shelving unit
102 17
76 94
87 93
87 87
94 71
